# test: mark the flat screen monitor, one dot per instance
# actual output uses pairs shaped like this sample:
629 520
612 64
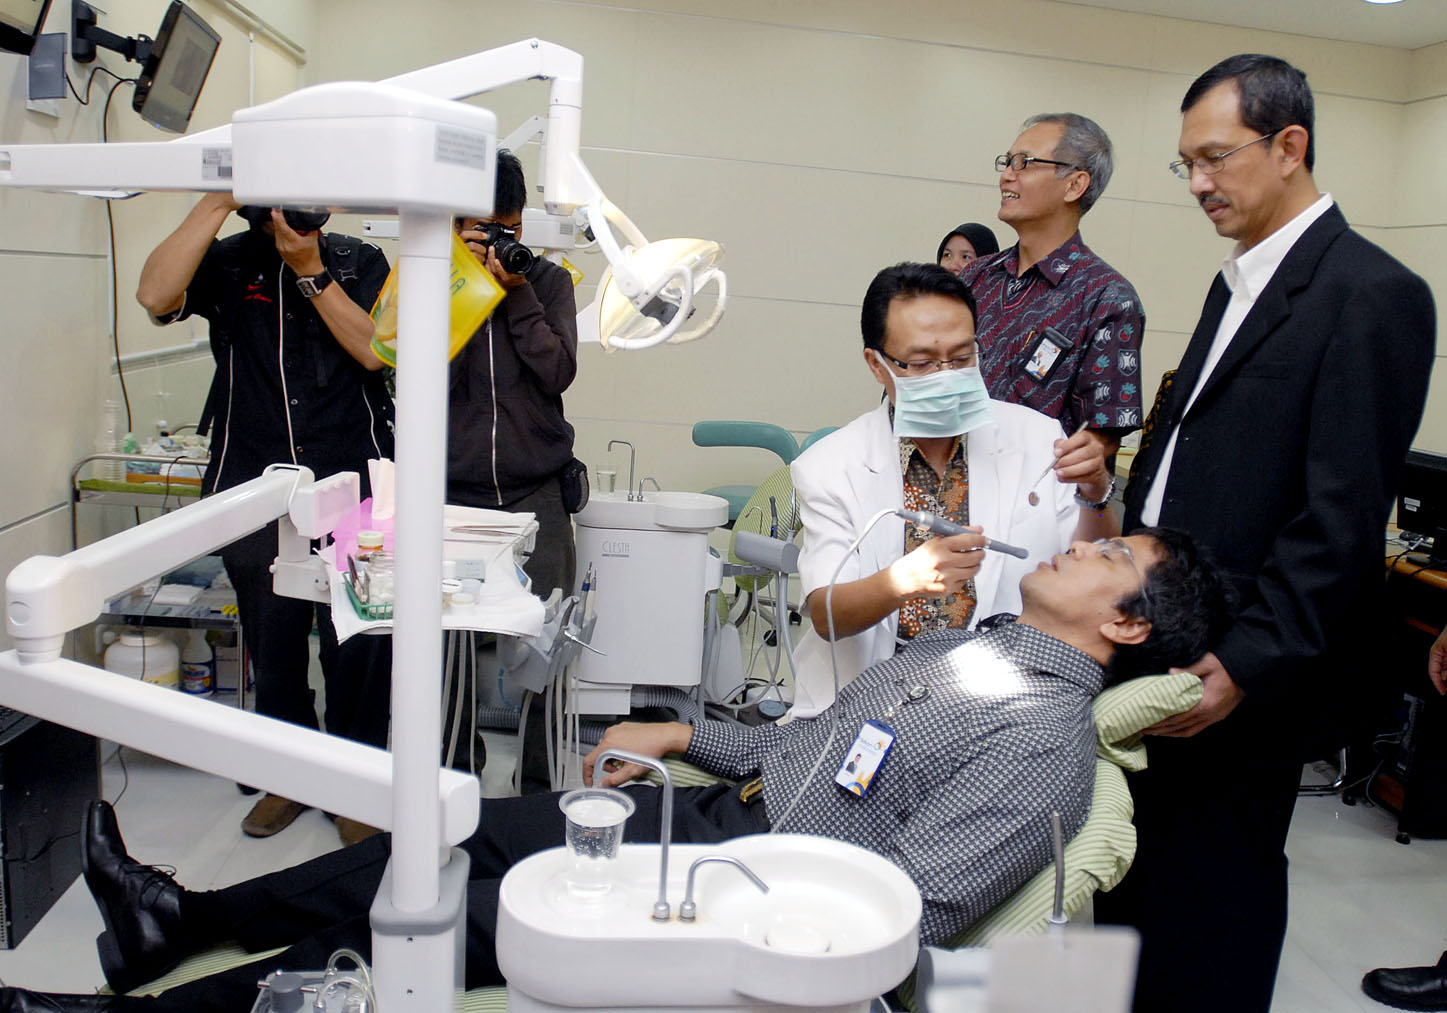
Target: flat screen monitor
176 68
20 23
1422 502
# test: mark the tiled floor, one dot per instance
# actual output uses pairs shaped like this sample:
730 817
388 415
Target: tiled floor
1358 898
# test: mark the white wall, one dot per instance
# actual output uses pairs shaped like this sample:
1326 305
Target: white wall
820 141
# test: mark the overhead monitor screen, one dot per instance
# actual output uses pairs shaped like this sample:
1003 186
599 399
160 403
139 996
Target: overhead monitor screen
174 72
20 23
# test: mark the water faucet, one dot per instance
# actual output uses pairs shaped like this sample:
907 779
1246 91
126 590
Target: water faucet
649 478
688 910
631 457
661 909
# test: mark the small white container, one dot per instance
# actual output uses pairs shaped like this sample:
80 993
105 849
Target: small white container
149 657
198 667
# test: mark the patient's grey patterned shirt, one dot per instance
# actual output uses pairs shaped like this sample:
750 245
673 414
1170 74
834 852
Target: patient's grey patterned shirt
963 801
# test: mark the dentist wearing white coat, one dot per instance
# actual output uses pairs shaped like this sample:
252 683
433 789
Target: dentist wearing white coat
938 441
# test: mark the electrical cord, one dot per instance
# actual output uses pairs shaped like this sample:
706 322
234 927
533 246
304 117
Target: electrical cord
834 664
111 236
88 81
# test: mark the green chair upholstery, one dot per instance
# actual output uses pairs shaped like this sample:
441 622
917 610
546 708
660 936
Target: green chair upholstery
763 435
815 437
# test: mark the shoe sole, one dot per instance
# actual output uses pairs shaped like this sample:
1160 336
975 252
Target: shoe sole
1415 1007
111 962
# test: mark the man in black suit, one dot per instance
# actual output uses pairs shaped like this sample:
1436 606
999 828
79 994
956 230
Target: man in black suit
1278 442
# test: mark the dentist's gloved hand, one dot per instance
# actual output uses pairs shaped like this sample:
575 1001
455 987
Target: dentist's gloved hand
939 567
645 738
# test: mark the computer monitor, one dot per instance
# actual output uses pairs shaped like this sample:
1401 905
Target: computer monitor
1422 502
20 24
175 69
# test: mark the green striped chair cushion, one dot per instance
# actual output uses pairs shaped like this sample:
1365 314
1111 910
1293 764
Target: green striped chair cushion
1124 711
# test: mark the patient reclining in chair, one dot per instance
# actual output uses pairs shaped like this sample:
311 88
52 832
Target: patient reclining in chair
989 732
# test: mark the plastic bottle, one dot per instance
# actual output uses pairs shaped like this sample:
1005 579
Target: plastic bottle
113 431
198 666
146 656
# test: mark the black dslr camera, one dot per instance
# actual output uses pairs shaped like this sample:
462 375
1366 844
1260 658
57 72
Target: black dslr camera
301 221
514 257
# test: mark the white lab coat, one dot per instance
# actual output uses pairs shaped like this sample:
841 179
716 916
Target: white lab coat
850 475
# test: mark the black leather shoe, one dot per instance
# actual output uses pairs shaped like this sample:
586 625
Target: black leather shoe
140 905
20 1000
1414 988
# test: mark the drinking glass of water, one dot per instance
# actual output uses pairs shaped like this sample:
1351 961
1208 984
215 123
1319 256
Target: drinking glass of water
595 818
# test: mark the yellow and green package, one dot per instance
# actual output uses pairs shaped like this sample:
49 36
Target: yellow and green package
475 294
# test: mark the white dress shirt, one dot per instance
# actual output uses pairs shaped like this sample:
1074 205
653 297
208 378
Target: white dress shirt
1247 273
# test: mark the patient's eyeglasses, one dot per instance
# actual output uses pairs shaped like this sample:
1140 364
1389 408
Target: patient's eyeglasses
1116 548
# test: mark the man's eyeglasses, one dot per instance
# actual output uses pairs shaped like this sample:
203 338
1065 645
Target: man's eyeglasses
1212 164
924 367
1020 162
1116 548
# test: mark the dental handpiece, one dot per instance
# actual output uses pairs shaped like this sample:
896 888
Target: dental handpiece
938 525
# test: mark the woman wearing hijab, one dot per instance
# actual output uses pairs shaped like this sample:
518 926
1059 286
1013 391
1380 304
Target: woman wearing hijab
963 244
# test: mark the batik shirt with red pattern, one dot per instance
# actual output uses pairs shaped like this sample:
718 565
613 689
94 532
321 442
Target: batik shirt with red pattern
945 496
1086 302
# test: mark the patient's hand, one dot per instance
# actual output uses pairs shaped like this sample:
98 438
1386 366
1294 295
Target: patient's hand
646 738
1219 697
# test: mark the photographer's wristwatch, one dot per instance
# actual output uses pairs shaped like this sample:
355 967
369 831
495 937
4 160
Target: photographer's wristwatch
312 286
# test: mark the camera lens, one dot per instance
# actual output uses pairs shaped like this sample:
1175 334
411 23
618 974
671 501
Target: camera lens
305 221
514 257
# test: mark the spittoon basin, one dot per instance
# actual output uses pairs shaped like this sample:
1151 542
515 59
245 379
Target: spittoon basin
838 925
670 511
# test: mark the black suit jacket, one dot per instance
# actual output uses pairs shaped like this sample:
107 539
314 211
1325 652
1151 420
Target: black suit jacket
1288 462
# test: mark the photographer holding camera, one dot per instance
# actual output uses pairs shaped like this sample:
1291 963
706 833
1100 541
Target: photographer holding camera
296 382
508 445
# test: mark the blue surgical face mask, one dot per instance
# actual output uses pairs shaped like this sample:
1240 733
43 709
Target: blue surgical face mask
948 402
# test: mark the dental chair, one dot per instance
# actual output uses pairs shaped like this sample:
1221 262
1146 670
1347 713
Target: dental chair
763 435
1097 858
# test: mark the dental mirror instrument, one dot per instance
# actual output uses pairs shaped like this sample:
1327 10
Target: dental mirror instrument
1034 498
940 526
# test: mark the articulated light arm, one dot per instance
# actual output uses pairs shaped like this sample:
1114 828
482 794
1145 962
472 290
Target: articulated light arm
528 60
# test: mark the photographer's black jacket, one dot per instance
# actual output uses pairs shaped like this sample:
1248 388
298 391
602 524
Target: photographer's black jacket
285 391
506 431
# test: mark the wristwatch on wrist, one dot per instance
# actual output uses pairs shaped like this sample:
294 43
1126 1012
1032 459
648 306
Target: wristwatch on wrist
1104 500
312 286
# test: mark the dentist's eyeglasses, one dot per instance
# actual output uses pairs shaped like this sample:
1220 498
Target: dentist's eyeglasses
1116 548
924 367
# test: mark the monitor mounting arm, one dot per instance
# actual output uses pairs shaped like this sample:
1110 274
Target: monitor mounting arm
86 36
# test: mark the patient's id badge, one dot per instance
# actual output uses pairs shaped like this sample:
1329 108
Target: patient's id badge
862 762
1044 354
